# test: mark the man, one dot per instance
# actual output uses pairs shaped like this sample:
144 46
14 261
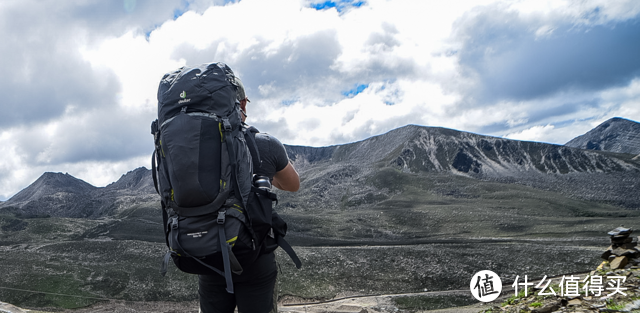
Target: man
255 287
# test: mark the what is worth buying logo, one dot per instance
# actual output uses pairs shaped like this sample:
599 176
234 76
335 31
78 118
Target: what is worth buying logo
485 286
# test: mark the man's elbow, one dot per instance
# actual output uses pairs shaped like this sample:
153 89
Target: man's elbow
295 187
287 179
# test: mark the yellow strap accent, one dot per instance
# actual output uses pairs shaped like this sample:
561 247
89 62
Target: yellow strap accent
220 129
232 239
172 195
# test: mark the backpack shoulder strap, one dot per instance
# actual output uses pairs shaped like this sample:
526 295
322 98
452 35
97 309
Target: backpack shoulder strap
250 137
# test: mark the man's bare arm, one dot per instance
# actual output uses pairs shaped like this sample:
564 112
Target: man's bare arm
287 179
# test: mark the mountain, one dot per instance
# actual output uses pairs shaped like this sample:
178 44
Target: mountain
430 151
50 194
615 135
53 184
139 180
335 175
62 195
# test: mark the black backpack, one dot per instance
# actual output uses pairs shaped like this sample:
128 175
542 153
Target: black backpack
215 220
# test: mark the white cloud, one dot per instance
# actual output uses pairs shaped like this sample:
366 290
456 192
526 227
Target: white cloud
535 133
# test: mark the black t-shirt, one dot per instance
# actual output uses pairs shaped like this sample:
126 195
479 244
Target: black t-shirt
273 154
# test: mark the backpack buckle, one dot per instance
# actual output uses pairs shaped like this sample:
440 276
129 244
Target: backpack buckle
174 223
226 124
221 217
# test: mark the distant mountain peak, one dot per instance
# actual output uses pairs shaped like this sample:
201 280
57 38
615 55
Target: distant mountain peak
51 183
614 135
140 178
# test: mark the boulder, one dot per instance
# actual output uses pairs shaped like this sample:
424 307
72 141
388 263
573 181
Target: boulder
631 253
620 231
619 262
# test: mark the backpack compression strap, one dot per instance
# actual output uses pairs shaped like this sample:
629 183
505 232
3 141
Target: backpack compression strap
154 132
280 241
287 248
226 126
230 263
153 171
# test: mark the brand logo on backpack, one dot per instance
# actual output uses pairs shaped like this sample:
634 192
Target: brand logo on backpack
197 235
183 95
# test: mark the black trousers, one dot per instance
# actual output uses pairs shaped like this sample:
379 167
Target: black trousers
253 289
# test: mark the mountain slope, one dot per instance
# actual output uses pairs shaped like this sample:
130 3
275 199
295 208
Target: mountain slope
433 149
52 194
51 184
615 135
333 175
62 195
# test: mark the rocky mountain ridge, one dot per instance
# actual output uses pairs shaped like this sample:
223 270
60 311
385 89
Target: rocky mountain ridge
433 149
328 171
615 135
62 195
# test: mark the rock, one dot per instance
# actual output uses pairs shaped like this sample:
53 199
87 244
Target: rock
629 245
547 308
631 253
619 262
619 241
632 306
6 307
606 255
575 302
620 231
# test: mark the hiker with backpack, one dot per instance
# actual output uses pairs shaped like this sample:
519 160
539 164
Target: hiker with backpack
255 287
214 175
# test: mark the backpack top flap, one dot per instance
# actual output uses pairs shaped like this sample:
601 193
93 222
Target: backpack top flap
209 88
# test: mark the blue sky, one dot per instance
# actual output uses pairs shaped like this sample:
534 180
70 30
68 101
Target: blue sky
81 76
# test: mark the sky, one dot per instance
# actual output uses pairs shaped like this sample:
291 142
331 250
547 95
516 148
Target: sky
80 77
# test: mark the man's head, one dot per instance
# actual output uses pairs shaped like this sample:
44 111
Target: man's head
242 98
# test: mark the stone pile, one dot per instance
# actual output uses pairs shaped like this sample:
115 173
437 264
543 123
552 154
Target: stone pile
623 251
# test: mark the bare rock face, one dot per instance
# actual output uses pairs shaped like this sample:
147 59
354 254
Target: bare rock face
615 135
